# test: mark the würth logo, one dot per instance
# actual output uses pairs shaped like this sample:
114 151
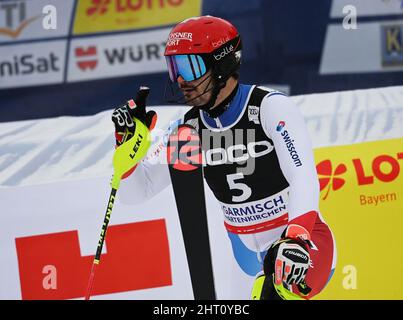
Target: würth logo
86 57
329 178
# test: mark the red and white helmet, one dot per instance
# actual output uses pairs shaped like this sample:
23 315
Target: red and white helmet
199 44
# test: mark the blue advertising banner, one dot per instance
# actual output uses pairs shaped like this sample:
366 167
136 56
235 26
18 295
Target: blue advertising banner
79 57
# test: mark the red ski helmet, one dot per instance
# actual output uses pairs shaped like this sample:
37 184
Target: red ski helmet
199 44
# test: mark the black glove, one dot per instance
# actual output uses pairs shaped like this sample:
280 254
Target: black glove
123 116
289 260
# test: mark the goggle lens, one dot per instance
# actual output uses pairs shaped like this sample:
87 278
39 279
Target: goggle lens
189 66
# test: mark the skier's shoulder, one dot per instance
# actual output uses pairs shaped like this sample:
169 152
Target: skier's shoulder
273 107
263 93
193 113
191 117
271 100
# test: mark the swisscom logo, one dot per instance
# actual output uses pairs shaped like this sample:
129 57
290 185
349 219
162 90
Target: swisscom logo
280 126
289 142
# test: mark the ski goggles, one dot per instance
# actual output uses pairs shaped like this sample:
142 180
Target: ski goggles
189 66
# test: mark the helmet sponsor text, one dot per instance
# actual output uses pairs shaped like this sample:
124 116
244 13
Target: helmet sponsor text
175 37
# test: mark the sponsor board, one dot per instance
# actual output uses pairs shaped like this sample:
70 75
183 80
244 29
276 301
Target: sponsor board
114 15
50 255
392 44
361 200
137 258
32 64
24 19
367 8
117 56
373 47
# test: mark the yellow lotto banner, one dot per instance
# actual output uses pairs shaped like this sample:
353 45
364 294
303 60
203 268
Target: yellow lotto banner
362 201
115 15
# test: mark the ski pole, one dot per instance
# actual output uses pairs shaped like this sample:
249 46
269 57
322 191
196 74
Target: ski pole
126 156
97 257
